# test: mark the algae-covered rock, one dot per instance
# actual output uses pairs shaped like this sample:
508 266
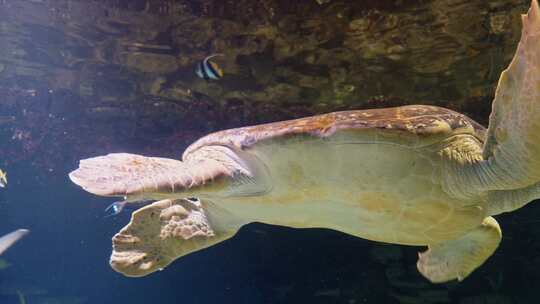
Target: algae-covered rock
96 68
348 52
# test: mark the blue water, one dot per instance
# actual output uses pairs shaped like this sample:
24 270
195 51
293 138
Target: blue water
66 255
65 258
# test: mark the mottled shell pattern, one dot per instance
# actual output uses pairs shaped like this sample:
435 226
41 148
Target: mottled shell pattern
422 121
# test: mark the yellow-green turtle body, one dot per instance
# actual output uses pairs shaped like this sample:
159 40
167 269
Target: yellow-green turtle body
413 175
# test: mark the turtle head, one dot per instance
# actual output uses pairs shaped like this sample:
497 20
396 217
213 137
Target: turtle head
163 231
174 225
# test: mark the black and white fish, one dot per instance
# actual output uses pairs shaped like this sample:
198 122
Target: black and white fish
207 69
3 179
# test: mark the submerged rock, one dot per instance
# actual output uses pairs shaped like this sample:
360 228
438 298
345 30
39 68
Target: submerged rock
346 52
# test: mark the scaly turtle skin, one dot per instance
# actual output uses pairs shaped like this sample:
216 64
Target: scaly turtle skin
413 175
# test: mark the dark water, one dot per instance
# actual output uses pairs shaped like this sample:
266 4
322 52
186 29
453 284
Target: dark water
79 79
66 255
65 260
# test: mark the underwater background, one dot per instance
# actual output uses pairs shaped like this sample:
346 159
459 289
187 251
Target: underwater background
85 78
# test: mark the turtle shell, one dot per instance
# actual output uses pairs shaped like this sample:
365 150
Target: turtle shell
427 124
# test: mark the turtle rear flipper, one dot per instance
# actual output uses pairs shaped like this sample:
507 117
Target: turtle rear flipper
456 259
512 147
161 232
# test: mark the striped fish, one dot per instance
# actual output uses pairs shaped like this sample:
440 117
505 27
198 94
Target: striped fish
3 179
207 69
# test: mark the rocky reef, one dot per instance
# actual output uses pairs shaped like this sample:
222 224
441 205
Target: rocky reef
121 73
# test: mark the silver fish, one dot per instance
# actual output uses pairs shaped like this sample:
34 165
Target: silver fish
9 239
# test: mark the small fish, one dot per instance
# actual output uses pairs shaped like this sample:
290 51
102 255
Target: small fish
207 69
117 207
3 179
9 239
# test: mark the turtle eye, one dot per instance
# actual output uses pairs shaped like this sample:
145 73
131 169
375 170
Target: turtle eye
192 199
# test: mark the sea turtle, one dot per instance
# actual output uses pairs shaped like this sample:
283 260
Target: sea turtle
412 175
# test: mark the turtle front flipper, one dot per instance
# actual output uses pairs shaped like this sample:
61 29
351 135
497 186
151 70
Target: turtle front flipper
125 174
512 147
166 230
207 170
456 259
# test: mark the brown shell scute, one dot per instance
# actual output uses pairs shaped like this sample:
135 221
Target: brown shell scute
420 120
